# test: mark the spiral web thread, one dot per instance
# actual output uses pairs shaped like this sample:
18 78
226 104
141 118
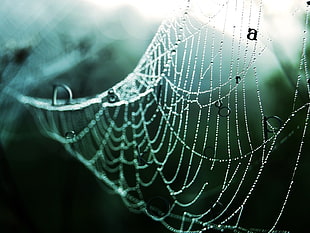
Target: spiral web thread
177 138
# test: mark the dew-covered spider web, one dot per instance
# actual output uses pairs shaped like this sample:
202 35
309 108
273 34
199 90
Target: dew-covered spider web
185 138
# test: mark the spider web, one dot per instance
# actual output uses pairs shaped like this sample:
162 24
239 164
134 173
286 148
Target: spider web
186 136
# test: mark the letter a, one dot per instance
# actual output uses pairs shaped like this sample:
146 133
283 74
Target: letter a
252 35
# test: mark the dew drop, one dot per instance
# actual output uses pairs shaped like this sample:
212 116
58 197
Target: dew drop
173 52
92 123
70 134
112 97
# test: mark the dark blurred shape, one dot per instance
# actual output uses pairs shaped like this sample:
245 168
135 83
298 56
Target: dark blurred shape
12 198
21 55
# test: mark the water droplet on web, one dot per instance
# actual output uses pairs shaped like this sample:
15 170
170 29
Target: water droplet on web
64 88
70 134
112 97
173 52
